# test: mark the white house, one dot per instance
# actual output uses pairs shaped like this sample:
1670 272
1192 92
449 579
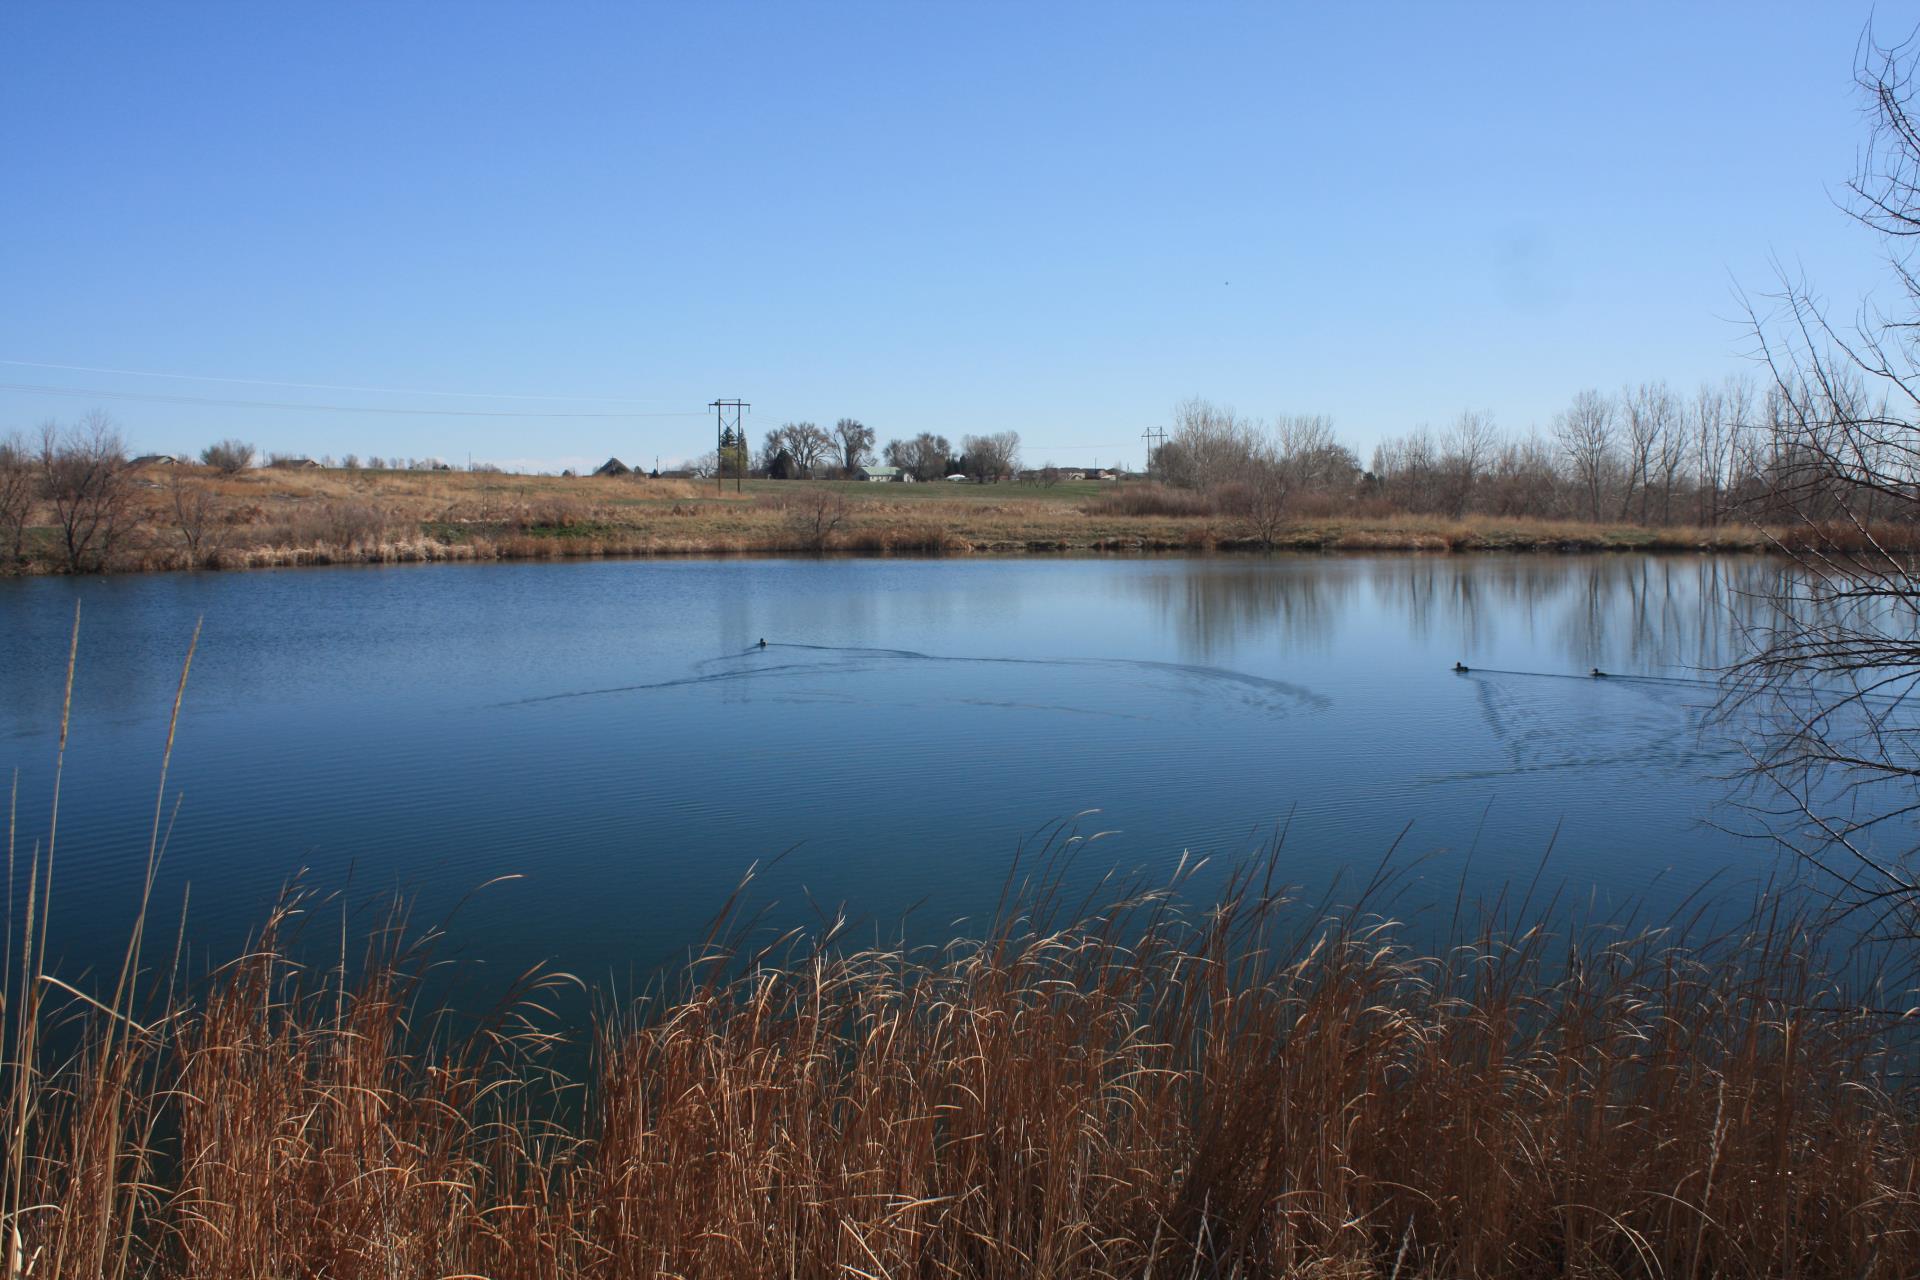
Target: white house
885 475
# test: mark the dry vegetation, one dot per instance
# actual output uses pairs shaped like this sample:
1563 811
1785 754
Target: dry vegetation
188 516
1130 1095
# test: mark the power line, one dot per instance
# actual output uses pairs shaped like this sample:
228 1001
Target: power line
153 397
321 386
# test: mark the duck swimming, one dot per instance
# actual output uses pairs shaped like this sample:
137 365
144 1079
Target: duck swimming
1461 668
763 642
1597 674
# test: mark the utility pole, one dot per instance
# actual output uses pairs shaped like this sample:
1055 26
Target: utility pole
731 436
1155 437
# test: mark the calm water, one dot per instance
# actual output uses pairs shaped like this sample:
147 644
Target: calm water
612 733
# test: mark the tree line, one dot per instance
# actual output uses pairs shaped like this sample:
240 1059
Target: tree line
1646 454
806 450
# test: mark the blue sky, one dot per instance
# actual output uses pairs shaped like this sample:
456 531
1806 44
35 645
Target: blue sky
1055 219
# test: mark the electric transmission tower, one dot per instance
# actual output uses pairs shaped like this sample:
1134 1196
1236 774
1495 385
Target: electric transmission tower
732 442
1155 437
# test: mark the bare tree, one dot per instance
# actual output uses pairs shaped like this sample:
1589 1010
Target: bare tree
1209 447
1470 443
1709 411
1641 415
1521 480
925 456
1668 446
856 443
1316 462
229 457
771 447
83 478
992 458
16 499
1407 469
810 445
803 442
1835 456
1585 435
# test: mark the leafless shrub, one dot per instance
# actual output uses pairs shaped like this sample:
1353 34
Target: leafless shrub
814 515
1259 500
228 457
200 517
349 525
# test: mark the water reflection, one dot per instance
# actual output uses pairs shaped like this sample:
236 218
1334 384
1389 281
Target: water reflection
1650 614
613 732
1222 604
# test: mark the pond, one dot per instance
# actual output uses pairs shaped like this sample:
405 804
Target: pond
614 734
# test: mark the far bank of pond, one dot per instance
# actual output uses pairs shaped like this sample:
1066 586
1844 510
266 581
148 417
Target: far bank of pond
191 518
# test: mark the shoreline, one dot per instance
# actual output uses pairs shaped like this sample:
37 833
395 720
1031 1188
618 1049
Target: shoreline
428 551
190 518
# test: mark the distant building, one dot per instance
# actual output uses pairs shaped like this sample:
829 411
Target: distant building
956 478
154 460
294 464
884 475
613 467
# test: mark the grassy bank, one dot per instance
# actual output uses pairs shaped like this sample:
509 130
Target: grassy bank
190 517
1248 1093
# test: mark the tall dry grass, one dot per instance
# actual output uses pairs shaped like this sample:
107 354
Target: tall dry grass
315 517
1108 1086
1152 499
1132 1094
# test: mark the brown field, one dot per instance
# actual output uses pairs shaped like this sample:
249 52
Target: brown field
275 518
